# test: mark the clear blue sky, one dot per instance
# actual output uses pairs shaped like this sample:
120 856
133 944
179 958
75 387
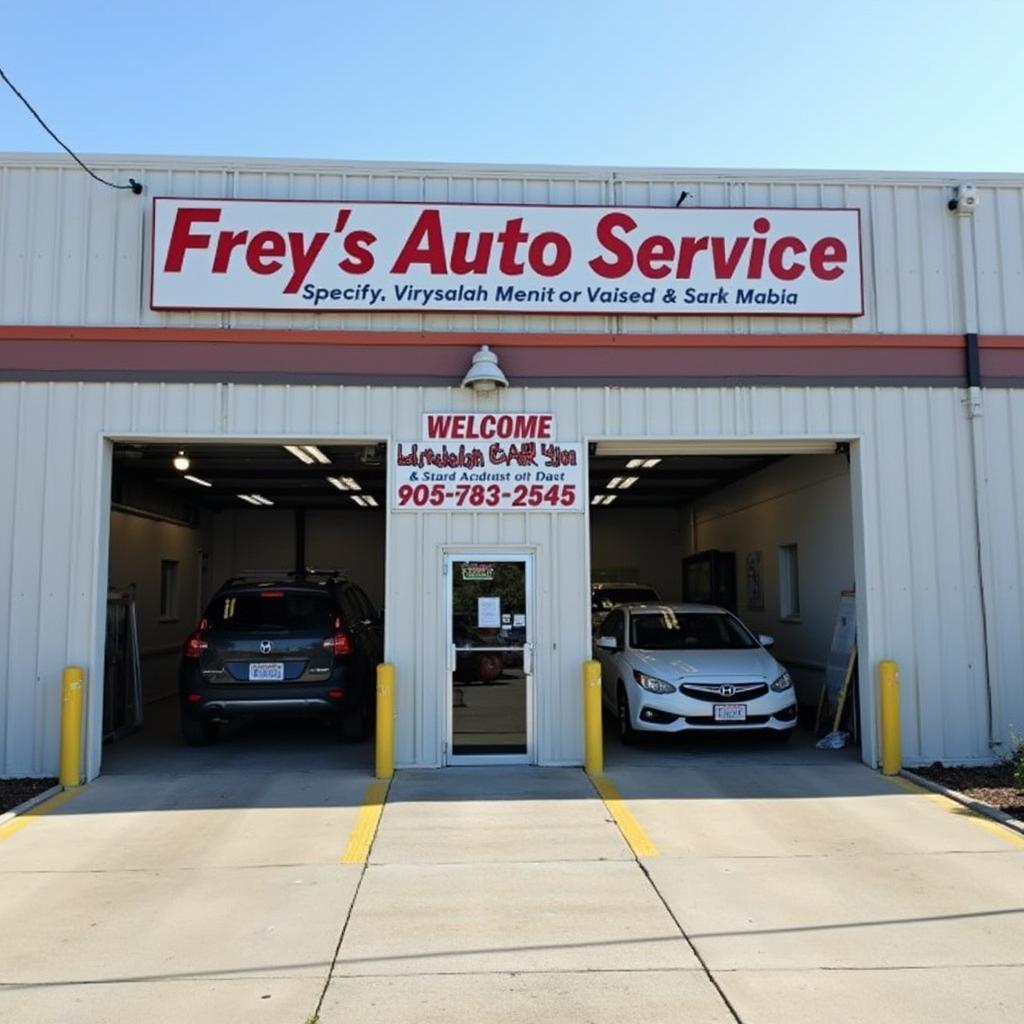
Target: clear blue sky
903 84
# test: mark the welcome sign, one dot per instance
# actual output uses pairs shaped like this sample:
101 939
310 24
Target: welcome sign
323 256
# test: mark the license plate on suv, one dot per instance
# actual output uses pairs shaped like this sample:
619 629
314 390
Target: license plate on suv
730 712
266 671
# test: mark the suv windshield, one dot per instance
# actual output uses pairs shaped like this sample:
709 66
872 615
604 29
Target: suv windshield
667 630
604 600
271 609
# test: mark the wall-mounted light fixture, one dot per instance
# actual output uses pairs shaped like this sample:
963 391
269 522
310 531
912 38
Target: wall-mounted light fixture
484 373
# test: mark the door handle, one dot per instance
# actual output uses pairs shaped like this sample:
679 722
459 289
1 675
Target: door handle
527 659
451 657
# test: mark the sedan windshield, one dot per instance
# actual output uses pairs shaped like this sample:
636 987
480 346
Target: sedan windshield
667 630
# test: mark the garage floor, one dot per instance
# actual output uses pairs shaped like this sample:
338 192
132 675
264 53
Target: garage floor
786 887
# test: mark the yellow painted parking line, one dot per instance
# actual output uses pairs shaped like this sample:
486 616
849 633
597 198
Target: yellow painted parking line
632 831
26 819
365 828
957 808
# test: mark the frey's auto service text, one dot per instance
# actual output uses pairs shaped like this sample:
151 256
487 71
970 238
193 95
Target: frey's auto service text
323 256
475 461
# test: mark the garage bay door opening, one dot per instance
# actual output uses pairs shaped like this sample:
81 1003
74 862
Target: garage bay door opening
244 607
765 535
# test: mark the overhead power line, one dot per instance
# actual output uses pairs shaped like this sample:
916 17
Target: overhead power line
132 186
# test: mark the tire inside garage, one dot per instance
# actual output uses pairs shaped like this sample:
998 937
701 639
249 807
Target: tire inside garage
246 512
765 533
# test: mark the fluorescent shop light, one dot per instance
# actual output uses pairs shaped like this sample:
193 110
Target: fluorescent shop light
597 499
317 454
196 480
249 498
299 453
261 500
723 446
335 482
650 463
358 499
609 498
350 483
370 500
634 463
613 483
628 482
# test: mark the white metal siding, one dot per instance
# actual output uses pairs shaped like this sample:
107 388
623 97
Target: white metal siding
76 253
915 542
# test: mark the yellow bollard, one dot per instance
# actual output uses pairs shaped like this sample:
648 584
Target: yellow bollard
889 695
385 753
593 741
71 727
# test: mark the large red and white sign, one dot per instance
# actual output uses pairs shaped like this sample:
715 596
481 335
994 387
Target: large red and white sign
474 461
324 256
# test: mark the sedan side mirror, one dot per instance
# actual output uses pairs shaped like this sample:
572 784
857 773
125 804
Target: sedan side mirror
765 640
608 643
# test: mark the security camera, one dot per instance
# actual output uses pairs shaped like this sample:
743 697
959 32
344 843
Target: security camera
966 199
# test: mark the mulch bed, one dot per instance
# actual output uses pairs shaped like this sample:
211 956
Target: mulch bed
17 791
992 784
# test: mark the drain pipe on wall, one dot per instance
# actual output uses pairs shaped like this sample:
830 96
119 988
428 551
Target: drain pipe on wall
963 206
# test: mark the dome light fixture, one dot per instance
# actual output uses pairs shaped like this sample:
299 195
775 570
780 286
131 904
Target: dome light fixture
181 462
484 373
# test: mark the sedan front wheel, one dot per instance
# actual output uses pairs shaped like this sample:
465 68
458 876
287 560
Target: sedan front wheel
627 734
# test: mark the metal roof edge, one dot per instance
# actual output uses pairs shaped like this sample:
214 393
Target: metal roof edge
682 175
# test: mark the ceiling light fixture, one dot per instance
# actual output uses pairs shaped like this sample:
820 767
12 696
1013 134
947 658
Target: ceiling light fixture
615 481
650 463
370 500
181 462
261 500
255 499
249 498
634 463
358 499
317 454
351 484
597 499
609 498
301 455
335 482
628 482
196 480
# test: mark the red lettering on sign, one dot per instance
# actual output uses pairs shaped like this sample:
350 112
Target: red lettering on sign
425 245
182 238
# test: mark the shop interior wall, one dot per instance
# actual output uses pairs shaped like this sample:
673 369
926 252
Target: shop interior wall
138 546
638 545
802 500
264 539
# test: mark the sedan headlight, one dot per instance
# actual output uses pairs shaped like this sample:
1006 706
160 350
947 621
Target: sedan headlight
652 684
782 683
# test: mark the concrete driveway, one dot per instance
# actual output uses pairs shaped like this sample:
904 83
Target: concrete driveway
786 885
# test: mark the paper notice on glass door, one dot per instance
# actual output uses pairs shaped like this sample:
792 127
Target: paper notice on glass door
488 612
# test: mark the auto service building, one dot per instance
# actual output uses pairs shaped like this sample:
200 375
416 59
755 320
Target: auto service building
762 389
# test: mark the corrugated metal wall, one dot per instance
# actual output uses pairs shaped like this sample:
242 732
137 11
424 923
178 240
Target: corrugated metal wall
77 253
916 547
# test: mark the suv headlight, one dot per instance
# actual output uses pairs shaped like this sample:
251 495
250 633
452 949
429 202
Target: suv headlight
782 683
652 684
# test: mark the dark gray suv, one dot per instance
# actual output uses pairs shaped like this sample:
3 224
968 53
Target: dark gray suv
306 645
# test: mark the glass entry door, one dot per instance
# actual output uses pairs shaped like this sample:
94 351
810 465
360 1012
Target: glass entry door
490 658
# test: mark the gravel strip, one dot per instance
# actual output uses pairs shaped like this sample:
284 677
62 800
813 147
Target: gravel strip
17 791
